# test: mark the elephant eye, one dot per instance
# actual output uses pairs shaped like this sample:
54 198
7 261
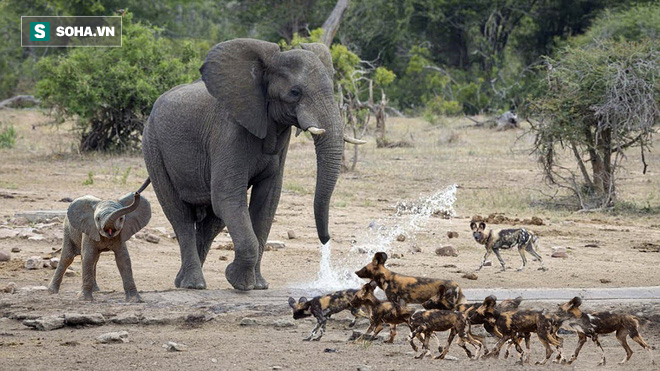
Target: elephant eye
295 92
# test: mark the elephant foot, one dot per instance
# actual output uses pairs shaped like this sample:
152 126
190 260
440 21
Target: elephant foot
190 280
53 290
241 277
261 283
96 288
85 296
134 298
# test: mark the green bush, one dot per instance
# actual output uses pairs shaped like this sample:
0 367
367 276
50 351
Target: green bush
8 137
111 90
634 24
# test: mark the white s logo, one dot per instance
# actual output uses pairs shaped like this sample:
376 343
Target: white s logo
39 31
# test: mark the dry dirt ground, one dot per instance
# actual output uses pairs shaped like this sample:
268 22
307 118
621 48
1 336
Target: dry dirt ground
493 170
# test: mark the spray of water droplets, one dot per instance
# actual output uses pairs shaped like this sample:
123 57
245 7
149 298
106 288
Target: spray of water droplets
337 272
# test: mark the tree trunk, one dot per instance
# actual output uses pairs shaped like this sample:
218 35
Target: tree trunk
331 24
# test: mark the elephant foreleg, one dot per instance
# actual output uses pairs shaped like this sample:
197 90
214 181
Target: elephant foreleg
207 230
89 258
123 261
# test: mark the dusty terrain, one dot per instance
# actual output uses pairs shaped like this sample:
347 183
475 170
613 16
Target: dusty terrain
493 170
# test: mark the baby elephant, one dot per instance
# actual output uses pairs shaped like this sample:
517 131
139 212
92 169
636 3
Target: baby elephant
92 226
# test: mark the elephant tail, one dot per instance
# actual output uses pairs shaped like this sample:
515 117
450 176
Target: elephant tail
143 186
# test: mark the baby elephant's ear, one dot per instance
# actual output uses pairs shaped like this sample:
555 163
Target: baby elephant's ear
136 220
81 216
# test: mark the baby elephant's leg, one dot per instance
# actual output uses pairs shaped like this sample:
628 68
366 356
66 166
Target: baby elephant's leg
124 264
68 253
89 258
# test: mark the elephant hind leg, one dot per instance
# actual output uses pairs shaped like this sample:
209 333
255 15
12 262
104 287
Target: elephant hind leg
207 229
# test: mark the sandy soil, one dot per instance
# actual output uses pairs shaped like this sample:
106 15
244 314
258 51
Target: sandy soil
494 172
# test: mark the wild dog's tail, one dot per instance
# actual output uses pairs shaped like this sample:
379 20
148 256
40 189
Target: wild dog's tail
143 186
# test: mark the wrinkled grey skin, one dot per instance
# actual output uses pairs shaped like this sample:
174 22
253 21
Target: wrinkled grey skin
206 143
92 226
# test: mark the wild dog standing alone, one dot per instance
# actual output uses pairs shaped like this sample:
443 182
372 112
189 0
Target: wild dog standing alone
513 324
408 289
381 313
426 322
495 240
592 324
322 307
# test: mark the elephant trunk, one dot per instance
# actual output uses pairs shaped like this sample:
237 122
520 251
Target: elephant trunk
123 211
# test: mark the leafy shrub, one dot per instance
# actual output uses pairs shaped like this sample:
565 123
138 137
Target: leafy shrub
112 90
8 137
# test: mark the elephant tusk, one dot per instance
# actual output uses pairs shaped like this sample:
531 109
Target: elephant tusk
353 140
298 131
316 131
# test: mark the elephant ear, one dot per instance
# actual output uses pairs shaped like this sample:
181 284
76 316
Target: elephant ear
233 73
81 216
136 220
323 53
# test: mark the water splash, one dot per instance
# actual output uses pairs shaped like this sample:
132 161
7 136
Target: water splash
337 272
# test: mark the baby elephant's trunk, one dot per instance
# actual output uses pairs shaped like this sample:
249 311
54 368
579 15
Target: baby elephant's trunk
123 211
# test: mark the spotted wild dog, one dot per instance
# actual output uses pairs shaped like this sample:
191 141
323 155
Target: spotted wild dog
408 289
427 322
516 324
381 313
594 323
439 301
322 307
494 240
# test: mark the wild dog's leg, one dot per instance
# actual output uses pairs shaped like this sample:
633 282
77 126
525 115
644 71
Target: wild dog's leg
483 260
528 337
314 330
495 352
638 339
412 336
499 257
602 351
392 334
450 338
377 330
372 326
548 350
325 320
425 345
521 250
582 338
621 335
356 313
532 248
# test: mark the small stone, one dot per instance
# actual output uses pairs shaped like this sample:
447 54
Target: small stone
446 251
70 273
152 238
214 360
329 350
160 230
48 323
66 199
247 321
470 276
363 368
488 263
274 245
605 280
277 367
4 256
113 337
76 319
10 288
282 323
158 321
452 234
53 262
450 358
7 233
223 258
592 245
562 255
225 246
291 234
401 237
34 288
361 250
36 238
20 221
174 347
127 319
415 249
34 262
16 249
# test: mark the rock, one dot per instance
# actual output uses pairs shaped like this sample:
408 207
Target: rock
34 288
152 238
329 350
452 234
53 262
605 280
401 237
70 273
76 319
291 234
414 249
363 368
247 321
446 251
41 215
174 347
19 221
5 256
282 323
36 238
48 323
488 263
225 246
274 245
559 252
470 276
450 358
536 221
113 337
160 230
277 367
16 249
34 262
214 360
592 245
361 250
10 288
8 233
558 249
126 319
159 321
223 258
66 199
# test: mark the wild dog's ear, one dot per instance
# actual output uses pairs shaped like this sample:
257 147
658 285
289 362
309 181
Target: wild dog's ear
442 290
380 258
576 301
490 301
292 302
302 300
482 226
473 226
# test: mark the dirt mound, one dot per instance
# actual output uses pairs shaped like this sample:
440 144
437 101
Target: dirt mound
647 247
499 218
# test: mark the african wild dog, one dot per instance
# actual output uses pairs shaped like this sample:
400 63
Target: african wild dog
381 313
322 307
427 322
514 324
439 301
594 323
495 240
399 288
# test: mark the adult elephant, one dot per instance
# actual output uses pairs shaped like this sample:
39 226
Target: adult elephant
206 143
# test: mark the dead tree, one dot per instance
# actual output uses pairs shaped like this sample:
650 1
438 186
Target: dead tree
331 24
